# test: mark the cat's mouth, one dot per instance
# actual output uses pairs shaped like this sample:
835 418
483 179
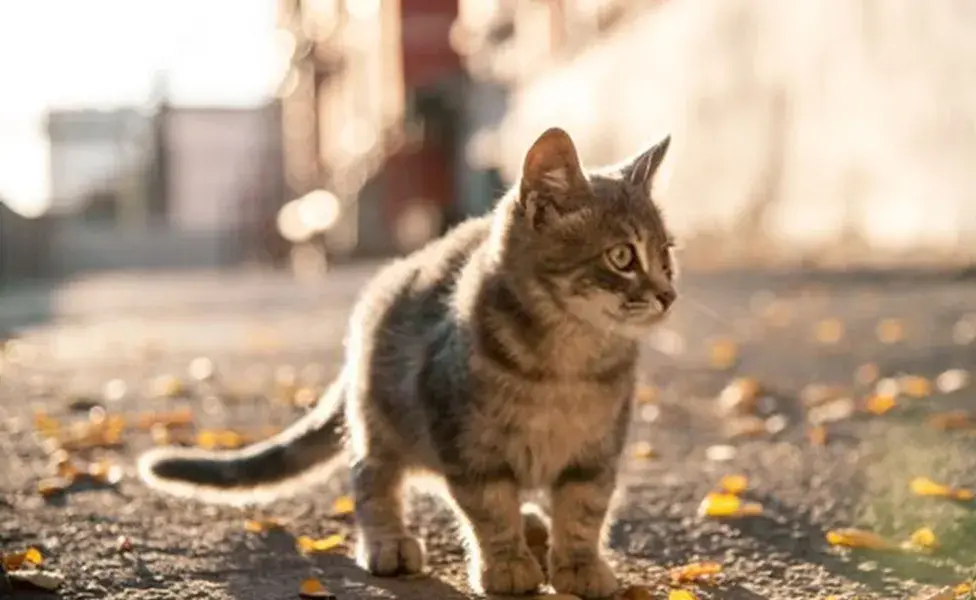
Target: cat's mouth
637 317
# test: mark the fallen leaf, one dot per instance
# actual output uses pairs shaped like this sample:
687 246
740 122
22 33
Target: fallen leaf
52 486
946 421
890 331
923 486
857 538
313 588
646 394
923 539
734 484
695 572
681 595
343 505
723 353
15 561
728 505
879 404
962 589
310 545
817 435
220 439
642 450
168 386
915 386
262 525
739 395
829 331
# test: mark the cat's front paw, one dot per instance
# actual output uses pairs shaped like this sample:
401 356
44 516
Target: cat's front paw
591 579
389 556
511 574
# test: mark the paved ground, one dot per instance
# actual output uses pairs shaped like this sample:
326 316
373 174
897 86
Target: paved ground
139 328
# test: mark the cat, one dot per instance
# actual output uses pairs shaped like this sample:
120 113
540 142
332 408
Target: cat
499 358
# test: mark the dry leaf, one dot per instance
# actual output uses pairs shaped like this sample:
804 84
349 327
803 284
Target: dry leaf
313 588
946 421
734 484
890 331
829 331
310 545
915 386
646 394
695 572
739 395
880 404
343 505
681 595
168 386
642 450
723 353
220 439
262 525
923 539
858 538
728 505
52 486
923 486
31 556
817 435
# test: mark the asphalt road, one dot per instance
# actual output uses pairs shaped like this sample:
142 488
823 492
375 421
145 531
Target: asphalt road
257 329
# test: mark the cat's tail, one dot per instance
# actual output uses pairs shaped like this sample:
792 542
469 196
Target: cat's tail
258 473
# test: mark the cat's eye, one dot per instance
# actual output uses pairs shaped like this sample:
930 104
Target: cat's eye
622 257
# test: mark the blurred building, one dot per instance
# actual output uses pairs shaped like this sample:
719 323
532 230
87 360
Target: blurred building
173 187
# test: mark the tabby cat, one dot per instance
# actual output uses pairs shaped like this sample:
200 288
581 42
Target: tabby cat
500 359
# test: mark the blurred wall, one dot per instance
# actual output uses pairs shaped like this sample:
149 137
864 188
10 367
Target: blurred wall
833 131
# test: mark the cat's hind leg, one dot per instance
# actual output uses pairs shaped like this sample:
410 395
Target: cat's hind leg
384 546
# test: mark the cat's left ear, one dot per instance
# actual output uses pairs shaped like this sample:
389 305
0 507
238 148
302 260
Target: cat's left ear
643 169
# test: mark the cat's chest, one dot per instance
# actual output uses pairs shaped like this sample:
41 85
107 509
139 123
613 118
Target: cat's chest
542 429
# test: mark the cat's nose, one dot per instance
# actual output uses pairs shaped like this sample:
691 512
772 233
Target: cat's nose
666 298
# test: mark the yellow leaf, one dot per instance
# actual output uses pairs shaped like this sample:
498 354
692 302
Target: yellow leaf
313 588
739 395
890 331
924 538
817 435
962 589
829 331
727 505
262 525
694 572
168 386
879 404
642 450
923 486
681 595
343 505
857 538
52 486
915 386
310 545
723 353
734 484
12 562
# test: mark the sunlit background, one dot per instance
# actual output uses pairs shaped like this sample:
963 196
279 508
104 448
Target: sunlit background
186 134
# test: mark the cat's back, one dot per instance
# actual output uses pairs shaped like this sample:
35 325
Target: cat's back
412 292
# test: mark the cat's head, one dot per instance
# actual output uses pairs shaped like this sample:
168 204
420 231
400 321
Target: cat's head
594 241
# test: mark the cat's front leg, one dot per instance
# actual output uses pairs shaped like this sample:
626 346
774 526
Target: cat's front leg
580 502
500 561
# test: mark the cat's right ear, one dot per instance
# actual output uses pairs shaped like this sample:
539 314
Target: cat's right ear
552 176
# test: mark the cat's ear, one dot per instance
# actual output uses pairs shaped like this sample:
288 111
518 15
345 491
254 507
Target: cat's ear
552 167
643 169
